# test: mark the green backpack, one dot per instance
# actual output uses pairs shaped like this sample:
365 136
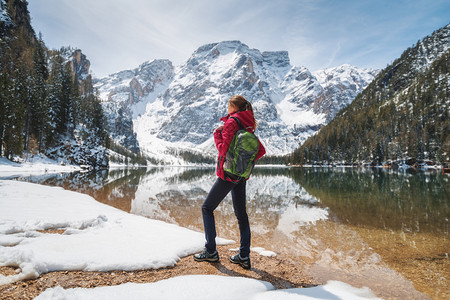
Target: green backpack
241 154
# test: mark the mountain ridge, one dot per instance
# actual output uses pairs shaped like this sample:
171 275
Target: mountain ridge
402 115
289 101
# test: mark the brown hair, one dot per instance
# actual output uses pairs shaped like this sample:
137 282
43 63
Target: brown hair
242 104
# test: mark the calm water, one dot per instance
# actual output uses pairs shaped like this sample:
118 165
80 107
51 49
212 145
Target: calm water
385 230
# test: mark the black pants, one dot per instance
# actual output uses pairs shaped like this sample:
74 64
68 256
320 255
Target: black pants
217 193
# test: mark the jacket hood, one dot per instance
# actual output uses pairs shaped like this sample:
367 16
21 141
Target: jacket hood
246 118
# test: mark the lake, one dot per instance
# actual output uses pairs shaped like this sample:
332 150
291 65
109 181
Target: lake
379 228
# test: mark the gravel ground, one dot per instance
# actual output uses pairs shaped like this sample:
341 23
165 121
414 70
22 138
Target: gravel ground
278 270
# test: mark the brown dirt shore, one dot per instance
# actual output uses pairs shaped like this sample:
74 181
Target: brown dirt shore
278 270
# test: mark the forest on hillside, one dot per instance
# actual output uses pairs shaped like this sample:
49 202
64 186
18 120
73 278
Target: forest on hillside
403 115
44 106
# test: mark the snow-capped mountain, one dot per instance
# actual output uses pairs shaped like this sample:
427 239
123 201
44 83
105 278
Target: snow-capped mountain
126 94
177 108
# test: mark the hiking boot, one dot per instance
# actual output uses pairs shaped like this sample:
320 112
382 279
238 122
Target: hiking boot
206 256
242 261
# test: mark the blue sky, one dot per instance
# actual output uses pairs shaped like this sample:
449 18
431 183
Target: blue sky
121 34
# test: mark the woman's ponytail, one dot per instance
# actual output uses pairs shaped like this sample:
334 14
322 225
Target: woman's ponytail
242 104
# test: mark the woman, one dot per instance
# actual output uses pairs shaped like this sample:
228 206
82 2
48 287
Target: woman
240 108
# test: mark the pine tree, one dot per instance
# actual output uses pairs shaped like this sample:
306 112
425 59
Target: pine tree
39 111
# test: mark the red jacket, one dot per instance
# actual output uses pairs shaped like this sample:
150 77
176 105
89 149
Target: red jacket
223 137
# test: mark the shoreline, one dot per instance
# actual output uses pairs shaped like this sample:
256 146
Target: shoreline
278 270
45 165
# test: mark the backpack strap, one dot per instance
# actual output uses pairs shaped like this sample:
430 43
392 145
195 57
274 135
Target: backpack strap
239 123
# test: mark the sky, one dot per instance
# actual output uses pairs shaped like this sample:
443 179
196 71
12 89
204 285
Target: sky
118 35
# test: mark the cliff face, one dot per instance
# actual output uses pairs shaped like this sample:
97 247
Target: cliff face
15 20
5 19
79 65
340 83
125 95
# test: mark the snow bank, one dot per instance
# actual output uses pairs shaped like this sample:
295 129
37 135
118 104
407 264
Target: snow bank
209 287
262 251
37 164
97 237
331 290
259 250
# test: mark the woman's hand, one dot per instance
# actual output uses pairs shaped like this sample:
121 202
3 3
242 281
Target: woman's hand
219 128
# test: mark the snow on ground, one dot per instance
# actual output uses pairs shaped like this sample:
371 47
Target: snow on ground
98 237
259 250
37 164
209 287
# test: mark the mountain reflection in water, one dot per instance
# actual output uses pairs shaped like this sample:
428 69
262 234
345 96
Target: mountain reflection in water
364 227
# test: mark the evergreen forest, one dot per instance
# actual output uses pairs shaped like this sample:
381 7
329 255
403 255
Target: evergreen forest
402 116
44 106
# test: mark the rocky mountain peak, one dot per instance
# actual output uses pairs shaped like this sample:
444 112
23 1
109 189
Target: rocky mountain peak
132 85
185 103
224 47
430 48
125 95
278 59
80 65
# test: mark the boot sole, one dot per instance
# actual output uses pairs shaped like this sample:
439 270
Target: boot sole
245 266
206 259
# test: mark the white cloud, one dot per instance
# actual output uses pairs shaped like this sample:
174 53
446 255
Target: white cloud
121 34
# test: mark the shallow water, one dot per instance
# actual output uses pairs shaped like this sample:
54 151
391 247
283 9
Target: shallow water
385 230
